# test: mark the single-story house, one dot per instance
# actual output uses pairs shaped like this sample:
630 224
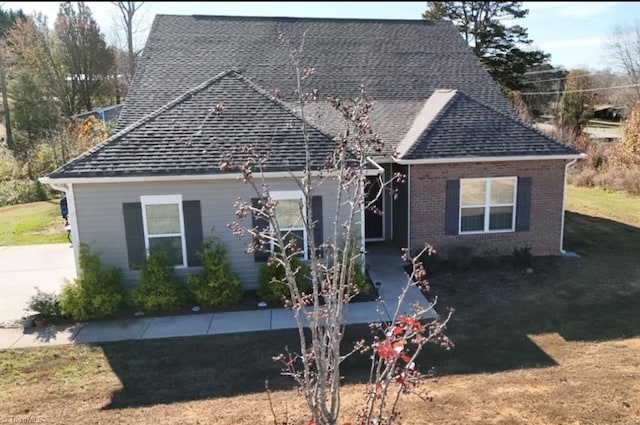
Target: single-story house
476 174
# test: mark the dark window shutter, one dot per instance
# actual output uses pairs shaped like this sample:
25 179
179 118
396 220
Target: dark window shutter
134 233
452 207
192 230
316 216
260 223
523 204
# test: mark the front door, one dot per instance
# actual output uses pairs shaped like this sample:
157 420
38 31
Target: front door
374 221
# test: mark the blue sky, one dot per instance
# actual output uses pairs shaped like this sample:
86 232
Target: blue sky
573 32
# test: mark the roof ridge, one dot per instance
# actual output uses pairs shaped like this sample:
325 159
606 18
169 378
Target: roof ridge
280 103
146 119
513 117
308 18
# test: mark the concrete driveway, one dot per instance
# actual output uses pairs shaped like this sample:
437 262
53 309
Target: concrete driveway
24 267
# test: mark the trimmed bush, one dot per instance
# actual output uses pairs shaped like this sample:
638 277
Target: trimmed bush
430 260
273 290
45 303
522 257
159 288
97 293
217 285
460 257
359 278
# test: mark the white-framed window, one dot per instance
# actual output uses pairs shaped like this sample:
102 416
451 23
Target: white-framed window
290 204
488 205
163 223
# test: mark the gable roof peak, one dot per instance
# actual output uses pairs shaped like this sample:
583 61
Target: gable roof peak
454 124
184 140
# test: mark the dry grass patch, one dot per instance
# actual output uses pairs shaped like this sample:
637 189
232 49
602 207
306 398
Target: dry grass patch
593 383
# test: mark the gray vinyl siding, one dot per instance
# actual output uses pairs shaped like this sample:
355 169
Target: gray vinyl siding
101 222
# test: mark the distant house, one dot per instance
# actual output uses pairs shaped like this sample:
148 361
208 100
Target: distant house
476 174
105 114
610 112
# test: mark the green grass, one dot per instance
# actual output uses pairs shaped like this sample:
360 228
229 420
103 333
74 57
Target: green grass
34 223
596 202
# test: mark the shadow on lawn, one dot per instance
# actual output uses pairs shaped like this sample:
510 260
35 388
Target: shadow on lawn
600 299
588 299
593 298
193 368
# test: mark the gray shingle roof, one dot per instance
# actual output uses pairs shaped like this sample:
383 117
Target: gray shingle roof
185 137
467 127
400 63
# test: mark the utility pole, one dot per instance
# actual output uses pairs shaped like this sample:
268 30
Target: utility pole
5 103
556 117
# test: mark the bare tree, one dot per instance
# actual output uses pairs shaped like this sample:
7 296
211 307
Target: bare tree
315 366
624 45
521 107
576 104
73 60
7 19
128 22
31 46
84 51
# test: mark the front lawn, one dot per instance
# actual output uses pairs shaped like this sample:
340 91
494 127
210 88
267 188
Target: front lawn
558 346
34 223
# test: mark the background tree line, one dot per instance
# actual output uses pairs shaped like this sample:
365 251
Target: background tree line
49 74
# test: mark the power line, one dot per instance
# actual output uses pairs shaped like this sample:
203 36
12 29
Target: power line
564 78
580 91
546 71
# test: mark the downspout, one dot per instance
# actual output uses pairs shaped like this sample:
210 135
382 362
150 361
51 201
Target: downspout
67 188
564 196
75 234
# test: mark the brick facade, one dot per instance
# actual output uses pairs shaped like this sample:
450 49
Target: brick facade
427 205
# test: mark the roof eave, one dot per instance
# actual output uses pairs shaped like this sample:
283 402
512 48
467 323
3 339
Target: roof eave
466 159
57 181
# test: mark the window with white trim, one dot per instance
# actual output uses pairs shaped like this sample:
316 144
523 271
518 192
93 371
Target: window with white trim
163 223
488 205
290 205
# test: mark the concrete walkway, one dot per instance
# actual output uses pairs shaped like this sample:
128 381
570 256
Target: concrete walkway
384 270
24 267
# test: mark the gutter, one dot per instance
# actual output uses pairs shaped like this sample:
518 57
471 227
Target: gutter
564 196
488 159
59 182
62 187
